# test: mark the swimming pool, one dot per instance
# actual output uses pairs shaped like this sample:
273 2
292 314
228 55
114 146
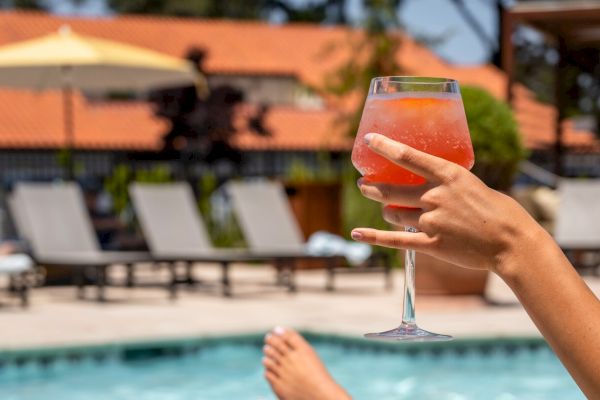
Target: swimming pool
229 368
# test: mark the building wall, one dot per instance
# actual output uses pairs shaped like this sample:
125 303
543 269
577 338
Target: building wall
271 90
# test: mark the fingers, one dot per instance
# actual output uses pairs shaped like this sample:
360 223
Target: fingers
402 216
397 240
402 195
430 167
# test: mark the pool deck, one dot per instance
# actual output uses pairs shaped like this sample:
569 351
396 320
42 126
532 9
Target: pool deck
359 305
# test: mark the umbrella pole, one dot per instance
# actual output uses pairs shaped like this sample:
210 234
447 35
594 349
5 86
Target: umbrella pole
67 92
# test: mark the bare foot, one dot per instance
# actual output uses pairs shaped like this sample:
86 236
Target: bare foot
295 371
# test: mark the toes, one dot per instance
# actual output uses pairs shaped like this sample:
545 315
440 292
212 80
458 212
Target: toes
275 383
290 337
277 344
270 365
271 353
271 377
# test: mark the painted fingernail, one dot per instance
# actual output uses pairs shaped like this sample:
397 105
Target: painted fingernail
279 330
360 181
368 137
356 235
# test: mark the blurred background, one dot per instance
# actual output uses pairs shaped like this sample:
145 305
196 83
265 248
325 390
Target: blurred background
274 89
280 99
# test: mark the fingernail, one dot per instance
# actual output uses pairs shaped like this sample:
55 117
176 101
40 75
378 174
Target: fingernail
356 235
368 138
279 330
359 182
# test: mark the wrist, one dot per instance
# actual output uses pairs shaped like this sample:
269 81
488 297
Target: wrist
524 250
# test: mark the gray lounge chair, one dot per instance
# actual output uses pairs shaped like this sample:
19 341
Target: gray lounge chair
174 229
269 226
55 223
577 229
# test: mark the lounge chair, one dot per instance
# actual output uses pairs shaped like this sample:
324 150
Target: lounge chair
577 228
57 227
269 226
174 230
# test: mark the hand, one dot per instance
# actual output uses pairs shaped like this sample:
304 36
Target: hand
460 219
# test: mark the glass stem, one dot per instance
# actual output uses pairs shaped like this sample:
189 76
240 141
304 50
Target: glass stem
408 314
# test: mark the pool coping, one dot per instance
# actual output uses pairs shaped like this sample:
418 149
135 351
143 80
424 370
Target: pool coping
175 346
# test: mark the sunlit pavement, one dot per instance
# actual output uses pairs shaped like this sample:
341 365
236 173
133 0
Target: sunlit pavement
359 305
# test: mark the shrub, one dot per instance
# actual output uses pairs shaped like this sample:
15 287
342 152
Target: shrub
495 136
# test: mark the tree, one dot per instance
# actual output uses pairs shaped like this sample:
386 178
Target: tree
35 5
203 123
240 9
377 49
535 60
237 9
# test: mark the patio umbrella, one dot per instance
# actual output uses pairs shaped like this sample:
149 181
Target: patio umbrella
68 61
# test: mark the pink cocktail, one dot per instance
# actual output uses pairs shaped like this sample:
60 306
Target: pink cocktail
428 121
424 113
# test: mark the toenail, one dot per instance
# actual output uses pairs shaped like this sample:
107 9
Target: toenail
279 330
267 336
266 347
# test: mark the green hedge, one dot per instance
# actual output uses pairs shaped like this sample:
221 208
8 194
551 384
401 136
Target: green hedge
495 136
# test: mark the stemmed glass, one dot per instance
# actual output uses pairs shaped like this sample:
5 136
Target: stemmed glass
424 113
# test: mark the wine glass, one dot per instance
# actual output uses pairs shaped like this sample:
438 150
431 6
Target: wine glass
424 113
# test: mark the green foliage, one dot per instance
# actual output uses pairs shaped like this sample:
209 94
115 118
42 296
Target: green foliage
377 50
158 174
495 136
66 159
300 172
329 11
35 5
241 9
224 232
358 211
117 184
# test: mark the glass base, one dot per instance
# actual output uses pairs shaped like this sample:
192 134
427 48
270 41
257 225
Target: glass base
409 333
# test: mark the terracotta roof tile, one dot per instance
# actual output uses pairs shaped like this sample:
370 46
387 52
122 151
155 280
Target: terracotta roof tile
295 129
35 120
306 51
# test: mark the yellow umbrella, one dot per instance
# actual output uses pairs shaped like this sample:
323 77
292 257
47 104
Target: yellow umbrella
68 60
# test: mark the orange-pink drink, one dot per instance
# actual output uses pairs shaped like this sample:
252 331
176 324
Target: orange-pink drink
431 122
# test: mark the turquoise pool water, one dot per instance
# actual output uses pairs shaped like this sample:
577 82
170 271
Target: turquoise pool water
230 369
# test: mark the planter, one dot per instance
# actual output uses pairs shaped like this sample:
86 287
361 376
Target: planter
316 207
436 277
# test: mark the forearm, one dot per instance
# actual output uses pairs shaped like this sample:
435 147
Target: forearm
561 305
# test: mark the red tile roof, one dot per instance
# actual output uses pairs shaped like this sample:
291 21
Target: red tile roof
35 120
302 50
296 129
